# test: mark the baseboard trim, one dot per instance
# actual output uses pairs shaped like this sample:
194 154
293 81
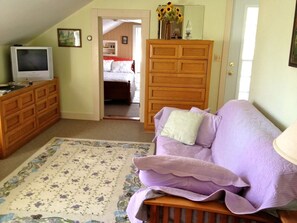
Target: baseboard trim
79 116
122 118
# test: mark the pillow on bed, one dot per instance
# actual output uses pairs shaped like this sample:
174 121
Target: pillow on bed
186 173
122 67
107 65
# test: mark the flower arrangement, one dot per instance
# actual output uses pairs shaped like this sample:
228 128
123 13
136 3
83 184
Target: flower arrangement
169 13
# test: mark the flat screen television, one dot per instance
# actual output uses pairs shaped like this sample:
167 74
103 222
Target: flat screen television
31 63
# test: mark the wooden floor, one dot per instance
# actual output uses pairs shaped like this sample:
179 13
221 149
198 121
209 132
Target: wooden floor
118 110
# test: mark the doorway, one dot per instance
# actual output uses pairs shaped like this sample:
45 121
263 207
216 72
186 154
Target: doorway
238 54
121 68
97 65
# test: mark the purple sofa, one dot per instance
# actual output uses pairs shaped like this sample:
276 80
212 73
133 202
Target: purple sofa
235 148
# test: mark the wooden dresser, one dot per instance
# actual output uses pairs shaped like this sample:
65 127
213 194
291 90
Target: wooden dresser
24 113
177 75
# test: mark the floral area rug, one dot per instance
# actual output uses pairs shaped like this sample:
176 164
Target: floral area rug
73 180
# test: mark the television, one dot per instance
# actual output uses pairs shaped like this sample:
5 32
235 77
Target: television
31 63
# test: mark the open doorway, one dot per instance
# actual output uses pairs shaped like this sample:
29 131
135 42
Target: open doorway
122 51
97 64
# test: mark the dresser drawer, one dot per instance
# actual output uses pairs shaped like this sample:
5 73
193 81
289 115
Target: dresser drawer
41 93
176 94
11 106
12 121
192 66
41 106
26 99
28 113
52 88
52 100
160 65
16 119
193 51
155 106
14 136
177 80
52 113
163 51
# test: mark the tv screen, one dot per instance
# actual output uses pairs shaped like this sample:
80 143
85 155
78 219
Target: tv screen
30 60
31 63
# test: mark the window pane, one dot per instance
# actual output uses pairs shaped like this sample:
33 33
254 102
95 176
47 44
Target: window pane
250 33
246 68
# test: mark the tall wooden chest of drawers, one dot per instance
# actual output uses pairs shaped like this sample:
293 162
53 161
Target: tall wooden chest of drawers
24 113
177 75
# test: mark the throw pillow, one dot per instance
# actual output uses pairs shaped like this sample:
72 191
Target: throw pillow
122 67
182 126
107 65
187 173
208 129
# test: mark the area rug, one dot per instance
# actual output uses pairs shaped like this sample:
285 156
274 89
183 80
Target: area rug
73 180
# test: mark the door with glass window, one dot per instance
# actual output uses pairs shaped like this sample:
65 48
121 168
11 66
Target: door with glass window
241 50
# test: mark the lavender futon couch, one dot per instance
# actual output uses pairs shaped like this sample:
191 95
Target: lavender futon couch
232 160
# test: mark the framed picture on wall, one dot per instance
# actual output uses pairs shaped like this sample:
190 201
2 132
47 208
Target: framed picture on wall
124 39
69 37
293 51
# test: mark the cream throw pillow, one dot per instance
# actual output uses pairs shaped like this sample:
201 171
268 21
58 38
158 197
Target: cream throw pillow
182 126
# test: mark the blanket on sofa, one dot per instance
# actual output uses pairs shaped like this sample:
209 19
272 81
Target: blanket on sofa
243 145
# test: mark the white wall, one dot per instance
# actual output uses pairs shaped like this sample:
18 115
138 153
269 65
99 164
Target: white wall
274 83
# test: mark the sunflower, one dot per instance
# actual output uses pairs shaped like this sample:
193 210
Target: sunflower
169 13
180 18
168 9
170 4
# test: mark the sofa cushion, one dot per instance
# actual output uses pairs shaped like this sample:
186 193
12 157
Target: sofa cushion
183 126
208 127
168 146
186 173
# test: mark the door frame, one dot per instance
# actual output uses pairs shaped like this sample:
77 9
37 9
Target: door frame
97 65
225 53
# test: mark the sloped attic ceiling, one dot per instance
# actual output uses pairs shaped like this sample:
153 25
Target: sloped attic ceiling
22 20
110 24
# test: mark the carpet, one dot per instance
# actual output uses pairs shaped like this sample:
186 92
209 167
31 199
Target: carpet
73 180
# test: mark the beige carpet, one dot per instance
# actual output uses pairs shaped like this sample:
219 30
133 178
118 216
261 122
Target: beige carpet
104 129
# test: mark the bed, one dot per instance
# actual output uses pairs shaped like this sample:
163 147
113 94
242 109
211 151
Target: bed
119 79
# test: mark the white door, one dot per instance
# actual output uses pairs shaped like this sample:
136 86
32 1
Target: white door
241 49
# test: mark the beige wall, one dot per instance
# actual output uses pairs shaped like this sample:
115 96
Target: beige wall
5 70
273 87
125 29
73 66
274 83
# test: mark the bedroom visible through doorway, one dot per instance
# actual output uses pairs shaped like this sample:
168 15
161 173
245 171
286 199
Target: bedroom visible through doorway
121 64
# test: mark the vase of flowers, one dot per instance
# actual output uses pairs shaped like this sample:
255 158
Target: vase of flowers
169 14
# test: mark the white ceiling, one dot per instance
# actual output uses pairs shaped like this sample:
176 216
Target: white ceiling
22 20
